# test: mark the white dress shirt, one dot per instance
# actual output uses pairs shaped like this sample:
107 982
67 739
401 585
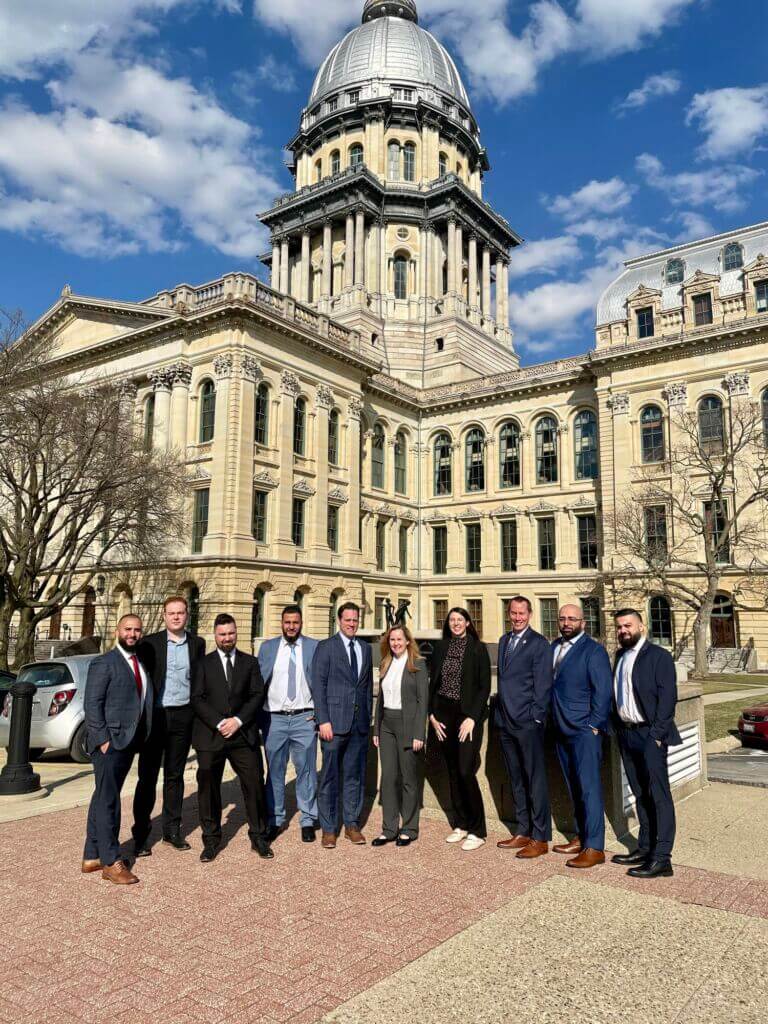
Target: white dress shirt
569 644
358 652
223 658
629 710
277 695
128 655
392 684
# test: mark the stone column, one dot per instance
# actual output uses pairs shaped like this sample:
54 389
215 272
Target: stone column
285 280
306 266
349 252
437 264
181 378
499 291
375 256
487 312
324 402
327 259
472 271
246 376
275 280
289 391
161 382
459 261
349 544
220 466
451 255
505 294
360 248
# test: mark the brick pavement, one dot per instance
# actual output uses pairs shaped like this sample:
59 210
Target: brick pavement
246 941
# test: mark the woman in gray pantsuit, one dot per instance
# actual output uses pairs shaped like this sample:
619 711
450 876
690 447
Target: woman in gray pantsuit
400 729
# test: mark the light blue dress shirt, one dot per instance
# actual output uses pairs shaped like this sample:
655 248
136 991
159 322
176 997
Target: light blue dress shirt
176 691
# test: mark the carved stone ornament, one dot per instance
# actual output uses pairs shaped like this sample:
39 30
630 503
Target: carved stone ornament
161 379
304 488
325 397
222 366
619 403
289 383
542 506
409 514
355 408
468 513
584 502
198 473
676 393
737 383
387 511
127 390
265 480
181 374
250 367
337 496
505 510
367 507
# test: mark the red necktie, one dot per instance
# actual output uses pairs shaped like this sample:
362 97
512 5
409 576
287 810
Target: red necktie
137 673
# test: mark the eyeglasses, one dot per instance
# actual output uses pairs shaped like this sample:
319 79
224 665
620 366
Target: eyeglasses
569 618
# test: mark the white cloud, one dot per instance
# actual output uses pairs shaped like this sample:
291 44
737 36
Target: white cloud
279 77
666 84
733 120
596 197
230 6
695 225
719 187
601 229
616 26
544 256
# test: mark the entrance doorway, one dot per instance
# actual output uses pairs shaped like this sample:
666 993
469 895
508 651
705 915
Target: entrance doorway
723 627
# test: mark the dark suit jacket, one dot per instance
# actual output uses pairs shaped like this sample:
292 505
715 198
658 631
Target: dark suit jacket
153 652
335 693
415 700
582 692
525 680
654 682
212 701
112 704
475 678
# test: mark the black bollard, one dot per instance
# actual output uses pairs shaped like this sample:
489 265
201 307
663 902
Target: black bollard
17 776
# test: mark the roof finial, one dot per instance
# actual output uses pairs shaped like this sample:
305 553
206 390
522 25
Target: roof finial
390 9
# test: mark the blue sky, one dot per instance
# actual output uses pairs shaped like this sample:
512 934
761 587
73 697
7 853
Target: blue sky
140 138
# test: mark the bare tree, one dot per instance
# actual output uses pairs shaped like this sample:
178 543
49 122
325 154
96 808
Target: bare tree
698 519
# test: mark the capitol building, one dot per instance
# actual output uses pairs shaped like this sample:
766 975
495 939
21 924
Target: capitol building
361 429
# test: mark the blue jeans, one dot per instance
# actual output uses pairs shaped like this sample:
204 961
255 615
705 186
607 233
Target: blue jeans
293 736
347 752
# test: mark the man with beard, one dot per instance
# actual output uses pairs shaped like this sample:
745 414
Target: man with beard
645 689
118 716
581 707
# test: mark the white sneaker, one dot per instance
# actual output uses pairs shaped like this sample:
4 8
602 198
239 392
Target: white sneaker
472 843
457 835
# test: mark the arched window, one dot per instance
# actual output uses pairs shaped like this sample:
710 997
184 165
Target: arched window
509 455
474 454
711 426
443 165
356 155
393 161
257 613
722 625
300 426
401 276
765 417
149 422
401 463
546 451
443 471
652 434
660 618
207 412
335 161
674 272
333 437
88 627
319 170
409 162
377 457
733 256
585 445
261 415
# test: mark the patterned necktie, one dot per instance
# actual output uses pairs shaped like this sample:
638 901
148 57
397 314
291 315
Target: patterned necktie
565 646
353 659
137 674
229 671
292 674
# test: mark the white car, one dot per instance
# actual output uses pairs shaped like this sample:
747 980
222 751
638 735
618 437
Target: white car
58 713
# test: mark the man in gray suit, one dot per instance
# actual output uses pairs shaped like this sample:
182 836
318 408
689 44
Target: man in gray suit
288 722
118 717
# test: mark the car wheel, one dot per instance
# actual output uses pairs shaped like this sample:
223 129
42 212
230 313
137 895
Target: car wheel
77 751
745 742
35 753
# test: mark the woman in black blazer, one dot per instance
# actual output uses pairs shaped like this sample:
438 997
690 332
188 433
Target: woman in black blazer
460 686
400 728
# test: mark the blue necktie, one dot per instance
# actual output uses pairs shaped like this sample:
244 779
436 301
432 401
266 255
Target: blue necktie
292 674
353 659
622 681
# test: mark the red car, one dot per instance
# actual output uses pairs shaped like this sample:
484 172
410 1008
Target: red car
753 725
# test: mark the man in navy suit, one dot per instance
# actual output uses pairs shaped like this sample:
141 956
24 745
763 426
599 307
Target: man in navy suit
288 722
342 689
525 684
645 690
118 718
582 695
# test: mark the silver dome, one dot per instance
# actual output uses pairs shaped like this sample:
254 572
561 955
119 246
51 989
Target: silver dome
389 49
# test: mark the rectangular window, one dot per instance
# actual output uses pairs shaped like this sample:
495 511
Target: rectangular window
702 309
403 549
440 550
440 614
260 517
592 618
474 547
549 613
379 614
716 520
475 609
656 532
645 322
587 542
200 519
333 527
353 96
547 551
409 163
381 545
297 522
509 546
333 104
761 296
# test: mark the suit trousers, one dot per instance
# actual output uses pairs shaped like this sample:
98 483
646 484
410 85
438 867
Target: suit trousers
402 778
293 736
523 749
168 745
247 764
645 764
104 813
346 754
580 757
462 761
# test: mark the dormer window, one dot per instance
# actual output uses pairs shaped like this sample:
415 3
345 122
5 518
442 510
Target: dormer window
733 256
761 296
353 97
332 104
645 327
674 272
702 309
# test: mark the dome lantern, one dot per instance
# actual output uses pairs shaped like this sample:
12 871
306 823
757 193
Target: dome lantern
390 9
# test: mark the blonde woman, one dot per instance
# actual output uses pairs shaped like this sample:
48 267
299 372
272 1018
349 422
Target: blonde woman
400 728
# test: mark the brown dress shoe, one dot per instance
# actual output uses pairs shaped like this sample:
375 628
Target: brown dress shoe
354 835
89 866
119 874
328 842
535 848
586 859
515 843
573 847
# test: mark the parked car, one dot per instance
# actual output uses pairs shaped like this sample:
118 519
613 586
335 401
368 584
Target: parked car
58 714
753 725
7 679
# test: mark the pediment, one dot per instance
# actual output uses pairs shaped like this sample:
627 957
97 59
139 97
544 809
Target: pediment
759 264
75 324
701 280
643 294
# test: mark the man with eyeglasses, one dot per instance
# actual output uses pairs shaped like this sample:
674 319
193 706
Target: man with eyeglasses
581 706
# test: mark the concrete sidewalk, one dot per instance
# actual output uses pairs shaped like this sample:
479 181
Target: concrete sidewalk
747 694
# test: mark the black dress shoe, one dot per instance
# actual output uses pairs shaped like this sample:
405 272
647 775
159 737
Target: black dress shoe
261 846
274 831
177 842
142 849
403 841
308 834
382 840
652 869
209 853
638 857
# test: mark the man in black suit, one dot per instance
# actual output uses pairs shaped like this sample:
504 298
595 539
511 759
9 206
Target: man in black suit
227 695
645 694
118 717
170 656
525 685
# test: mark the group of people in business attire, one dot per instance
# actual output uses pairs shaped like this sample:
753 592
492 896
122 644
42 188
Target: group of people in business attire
159 696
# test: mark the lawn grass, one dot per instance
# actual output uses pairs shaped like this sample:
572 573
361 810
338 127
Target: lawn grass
724 681
721 718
